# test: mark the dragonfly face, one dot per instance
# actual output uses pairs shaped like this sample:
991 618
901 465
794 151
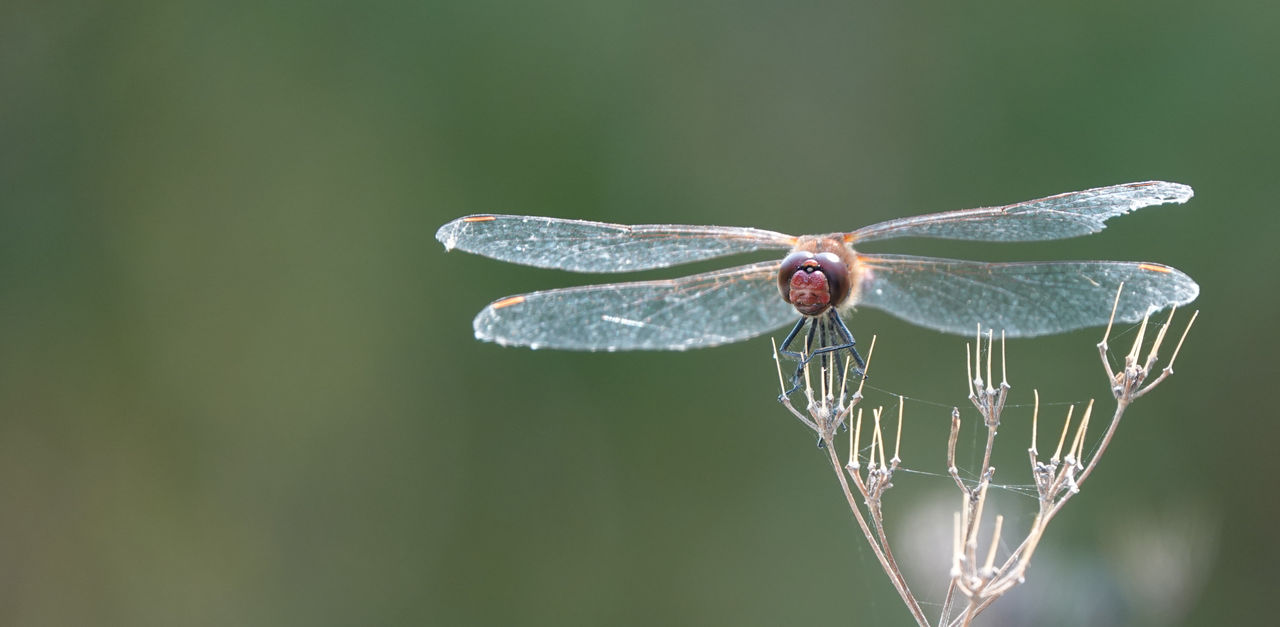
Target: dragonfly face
820 277
817 275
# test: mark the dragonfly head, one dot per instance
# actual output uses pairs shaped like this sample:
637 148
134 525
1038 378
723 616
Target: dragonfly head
813 282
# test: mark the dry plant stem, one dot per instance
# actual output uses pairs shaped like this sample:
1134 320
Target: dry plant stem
872 487
1061 477
880 547
828 407
1126 386
989 401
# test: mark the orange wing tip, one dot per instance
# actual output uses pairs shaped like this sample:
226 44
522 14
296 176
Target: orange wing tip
479 219
507 302
1155 267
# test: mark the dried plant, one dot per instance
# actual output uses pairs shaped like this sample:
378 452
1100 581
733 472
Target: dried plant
977 576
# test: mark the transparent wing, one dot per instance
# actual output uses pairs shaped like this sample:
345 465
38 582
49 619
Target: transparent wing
1056 217
691 312
583 246
1025 299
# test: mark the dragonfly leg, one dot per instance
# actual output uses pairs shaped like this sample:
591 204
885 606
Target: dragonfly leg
848 337
787 352
834 337
846 340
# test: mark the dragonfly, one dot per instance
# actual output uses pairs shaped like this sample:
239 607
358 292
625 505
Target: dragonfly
820 278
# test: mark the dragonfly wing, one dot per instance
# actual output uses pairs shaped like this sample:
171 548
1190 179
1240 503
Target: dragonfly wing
1024 299
1056 217
691 312
583 246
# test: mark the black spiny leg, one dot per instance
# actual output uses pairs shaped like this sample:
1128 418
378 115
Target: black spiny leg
791 337
846 339
828 328
787 352
849 344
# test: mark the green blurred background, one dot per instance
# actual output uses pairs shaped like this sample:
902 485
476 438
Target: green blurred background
238 380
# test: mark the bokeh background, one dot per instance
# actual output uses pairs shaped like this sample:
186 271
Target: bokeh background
238 384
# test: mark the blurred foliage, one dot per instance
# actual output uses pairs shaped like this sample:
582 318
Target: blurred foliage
238 382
